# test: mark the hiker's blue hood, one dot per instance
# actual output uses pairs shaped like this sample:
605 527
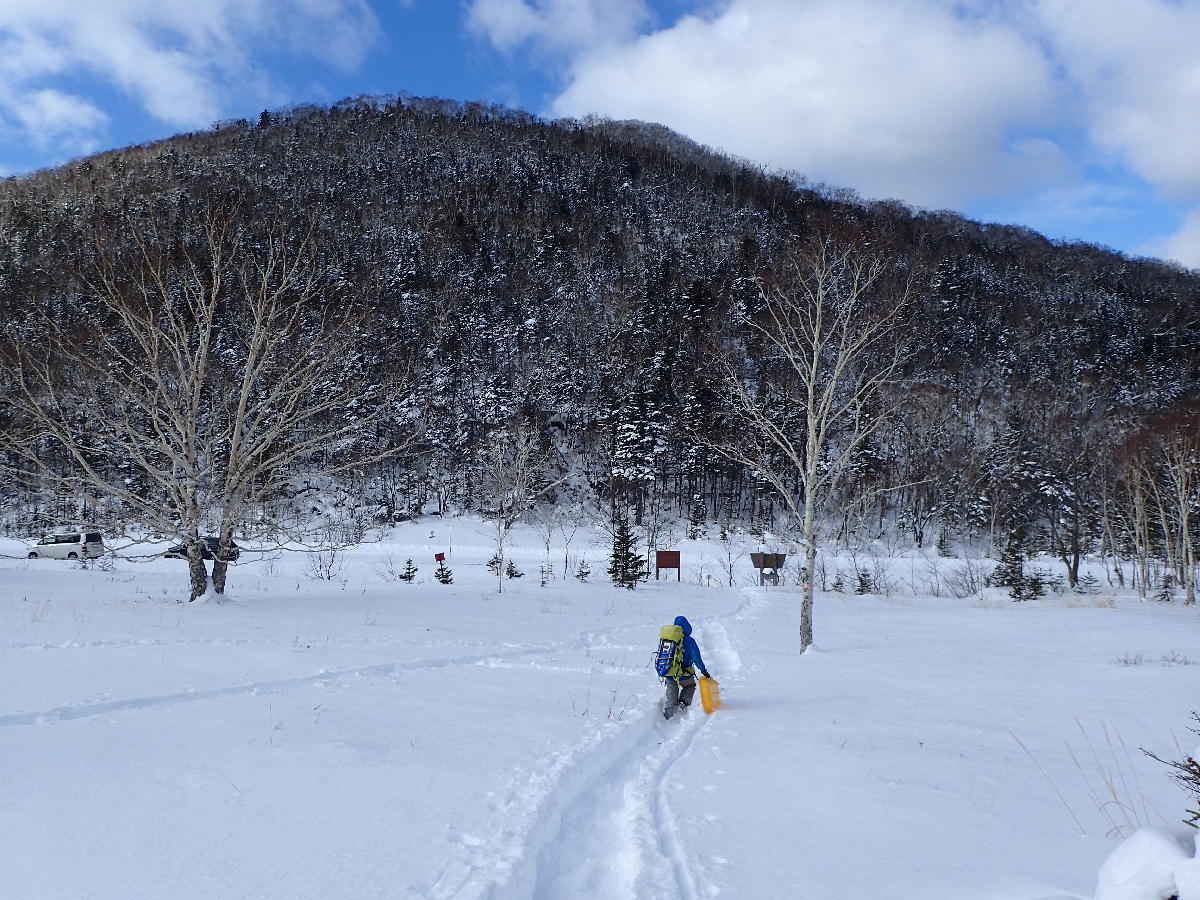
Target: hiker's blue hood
684 624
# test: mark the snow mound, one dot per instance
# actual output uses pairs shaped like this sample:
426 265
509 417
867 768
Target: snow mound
1146 866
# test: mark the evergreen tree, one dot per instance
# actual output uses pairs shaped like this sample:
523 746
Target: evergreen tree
1010 572
626 566
443 574
945 546
697 518
409 573
1166 591
864 582
1031 587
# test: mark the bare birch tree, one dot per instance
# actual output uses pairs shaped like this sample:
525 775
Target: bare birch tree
809 388
1155 505
1166 466
200 383
516 469
1181 463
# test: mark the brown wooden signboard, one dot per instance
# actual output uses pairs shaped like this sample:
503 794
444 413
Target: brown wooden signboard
667 559
768 565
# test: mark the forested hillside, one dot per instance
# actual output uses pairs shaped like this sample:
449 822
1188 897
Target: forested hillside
577 276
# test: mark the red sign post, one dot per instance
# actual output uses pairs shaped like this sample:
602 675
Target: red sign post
667 559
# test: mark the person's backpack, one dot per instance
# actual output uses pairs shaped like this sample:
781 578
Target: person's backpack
668 659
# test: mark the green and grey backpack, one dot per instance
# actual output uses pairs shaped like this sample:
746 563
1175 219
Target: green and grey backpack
668 659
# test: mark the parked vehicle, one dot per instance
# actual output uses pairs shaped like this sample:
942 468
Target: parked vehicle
179 551
69 545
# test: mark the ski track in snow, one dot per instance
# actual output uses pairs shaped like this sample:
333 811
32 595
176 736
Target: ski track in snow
596 820
585 641
344 643
591 821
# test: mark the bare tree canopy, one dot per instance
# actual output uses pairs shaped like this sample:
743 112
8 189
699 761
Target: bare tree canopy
517 469
198 382
810 387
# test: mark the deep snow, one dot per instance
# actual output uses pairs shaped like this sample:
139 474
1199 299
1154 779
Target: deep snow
362 737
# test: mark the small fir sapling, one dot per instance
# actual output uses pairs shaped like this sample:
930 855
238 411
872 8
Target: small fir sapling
1030 587
584 571
626 566
1166 592
697 519
409 573
1010 571
945 546
511 571
443 574
1050 581
864 582
495 563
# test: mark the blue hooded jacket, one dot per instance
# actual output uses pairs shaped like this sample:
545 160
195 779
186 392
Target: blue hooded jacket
691 652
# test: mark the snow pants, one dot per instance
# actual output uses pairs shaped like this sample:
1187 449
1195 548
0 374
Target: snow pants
679 694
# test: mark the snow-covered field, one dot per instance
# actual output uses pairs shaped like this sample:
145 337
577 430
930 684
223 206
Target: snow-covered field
361 737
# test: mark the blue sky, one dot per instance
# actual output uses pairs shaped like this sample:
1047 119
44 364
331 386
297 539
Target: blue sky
1077 118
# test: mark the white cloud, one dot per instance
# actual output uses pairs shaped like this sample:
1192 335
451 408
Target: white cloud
937 102
1184 245
1136 69
181 60
908 99
1078 113
48 115
556 26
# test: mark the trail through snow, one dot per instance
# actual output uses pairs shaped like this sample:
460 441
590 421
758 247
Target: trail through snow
600 821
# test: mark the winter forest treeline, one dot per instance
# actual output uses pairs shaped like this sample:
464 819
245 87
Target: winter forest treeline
576 278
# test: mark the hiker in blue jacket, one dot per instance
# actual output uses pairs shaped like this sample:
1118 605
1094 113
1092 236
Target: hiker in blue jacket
681 690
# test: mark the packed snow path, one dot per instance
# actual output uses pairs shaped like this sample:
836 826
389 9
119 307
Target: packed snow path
598 818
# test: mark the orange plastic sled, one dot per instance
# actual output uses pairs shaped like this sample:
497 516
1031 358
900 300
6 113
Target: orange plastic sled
710 695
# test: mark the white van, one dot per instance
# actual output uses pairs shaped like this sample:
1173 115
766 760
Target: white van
71 545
